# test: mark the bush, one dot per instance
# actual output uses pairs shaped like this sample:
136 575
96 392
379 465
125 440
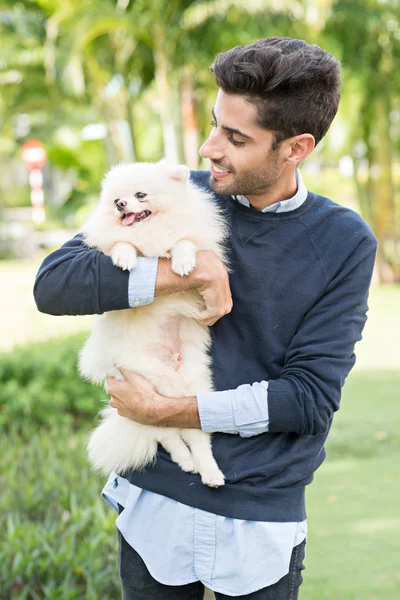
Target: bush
59 539
40 383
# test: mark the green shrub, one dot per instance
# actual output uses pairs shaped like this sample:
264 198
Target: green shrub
40 383
59 539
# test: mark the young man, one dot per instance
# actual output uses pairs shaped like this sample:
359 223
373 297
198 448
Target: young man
284 325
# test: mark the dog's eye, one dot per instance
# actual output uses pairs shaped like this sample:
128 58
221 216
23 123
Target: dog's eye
140 195
115 201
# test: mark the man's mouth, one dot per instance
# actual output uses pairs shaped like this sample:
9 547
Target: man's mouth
129 218
218 173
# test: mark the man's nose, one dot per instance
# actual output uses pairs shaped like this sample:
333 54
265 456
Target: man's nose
120 204
211 148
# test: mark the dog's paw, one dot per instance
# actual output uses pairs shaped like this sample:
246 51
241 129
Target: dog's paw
183 258
188 466
213 478
183 266
124 256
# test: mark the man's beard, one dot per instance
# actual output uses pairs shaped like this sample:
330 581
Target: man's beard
254 182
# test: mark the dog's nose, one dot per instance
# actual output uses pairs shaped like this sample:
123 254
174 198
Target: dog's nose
121 204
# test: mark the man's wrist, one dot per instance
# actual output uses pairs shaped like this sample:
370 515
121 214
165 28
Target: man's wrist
177 412
168 282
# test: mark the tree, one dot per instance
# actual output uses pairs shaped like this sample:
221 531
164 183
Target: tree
370 51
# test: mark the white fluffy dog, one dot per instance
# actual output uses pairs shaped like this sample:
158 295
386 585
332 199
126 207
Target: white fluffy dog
153 210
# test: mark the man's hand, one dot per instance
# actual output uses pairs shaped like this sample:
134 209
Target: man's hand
209 278
212 282
137 399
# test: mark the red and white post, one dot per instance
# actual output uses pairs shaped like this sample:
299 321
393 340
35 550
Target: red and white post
34 156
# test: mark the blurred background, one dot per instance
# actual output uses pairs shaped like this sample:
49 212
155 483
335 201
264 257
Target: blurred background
86 84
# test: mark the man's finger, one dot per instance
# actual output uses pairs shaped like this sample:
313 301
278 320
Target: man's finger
110 382
208 323
203 315
124 372
204 318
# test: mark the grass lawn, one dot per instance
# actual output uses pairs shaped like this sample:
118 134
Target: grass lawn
353 503
20 321
62 536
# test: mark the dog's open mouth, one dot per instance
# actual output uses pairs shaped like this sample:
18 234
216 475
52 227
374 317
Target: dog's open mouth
129 218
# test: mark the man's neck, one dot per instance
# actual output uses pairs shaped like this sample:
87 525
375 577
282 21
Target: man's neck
283 189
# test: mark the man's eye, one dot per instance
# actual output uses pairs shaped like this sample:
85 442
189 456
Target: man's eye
140 195
235 143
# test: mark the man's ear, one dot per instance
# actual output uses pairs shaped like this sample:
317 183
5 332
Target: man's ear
299 147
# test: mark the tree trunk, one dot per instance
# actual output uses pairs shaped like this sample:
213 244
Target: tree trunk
130 121
384 189
165 96
189 121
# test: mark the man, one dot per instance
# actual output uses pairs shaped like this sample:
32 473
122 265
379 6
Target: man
284 325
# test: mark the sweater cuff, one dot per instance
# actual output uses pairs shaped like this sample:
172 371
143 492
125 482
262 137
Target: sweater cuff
142 281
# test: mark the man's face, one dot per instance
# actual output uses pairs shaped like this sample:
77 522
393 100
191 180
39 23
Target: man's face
240 151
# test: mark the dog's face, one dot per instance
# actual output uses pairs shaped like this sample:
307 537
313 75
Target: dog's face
135 193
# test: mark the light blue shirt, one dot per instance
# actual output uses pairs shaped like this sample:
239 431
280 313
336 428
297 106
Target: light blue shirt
181 544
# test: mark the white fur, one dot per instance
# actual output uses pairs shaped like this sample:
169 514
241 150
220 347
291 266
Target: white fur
149 338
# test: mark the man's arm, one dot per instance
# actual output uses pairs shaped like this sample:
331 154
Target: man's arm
77 280
243 411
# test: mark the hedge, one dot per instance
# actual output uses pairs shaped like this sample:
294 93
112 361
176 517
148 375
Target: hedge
40 383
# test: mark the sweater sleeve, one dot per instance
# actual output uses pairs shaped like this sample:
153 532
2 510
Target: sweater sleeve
77 280
321 353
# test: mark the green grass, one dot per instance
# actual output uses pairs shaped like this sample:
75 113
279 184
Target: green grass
20 321
353 503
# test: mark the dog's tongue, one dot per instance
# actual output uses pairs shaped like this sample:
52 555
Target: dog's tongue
128 219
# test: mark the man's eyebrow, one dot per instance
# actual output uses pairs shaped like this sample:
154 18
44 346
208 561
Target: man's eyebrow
231 130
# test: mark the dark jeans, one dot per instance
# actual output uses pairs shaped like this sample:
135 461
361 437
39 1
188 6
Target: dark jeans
138 584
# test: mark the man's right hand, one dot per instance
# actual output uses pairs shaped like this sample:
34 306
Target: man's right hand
209 278
212 283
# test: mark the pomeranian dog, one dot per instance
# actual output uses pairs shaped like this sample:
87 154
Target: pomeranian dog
153 210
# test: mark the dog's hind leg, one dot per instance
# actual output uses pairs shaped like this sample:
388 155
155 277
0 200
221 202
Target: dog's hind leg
199 443
178 450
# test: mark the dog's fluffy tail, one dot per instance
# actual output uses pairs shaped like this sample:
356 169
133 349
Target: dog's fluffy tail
119 444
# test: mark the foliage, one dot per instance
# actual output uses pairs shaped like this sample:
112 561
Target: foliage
141 70
39 384
58 537
370 50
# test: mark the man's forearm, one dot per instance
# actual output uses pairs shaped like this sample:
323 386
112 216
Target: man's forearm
178 412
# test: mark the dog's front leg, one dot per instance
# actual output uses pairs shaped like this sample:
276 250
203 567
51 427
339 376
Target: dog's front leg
183 257
124 255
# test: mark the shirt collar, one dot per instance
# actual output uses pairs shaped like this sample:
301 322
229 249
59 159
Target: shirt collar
286 205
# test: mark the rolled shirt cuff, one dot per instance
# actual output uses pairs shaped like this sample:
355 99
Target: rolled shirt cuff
142 281
243 410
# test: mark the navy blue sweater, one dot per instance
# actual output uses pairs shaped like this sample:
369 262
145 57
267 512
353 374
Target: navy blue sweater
299 284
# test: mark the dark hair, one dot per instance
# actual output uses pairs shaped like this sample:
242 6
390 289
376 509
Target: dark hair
294 85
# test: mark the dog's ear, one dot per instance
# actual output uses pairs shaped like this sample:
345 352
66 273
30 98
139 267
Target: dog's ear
179 173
